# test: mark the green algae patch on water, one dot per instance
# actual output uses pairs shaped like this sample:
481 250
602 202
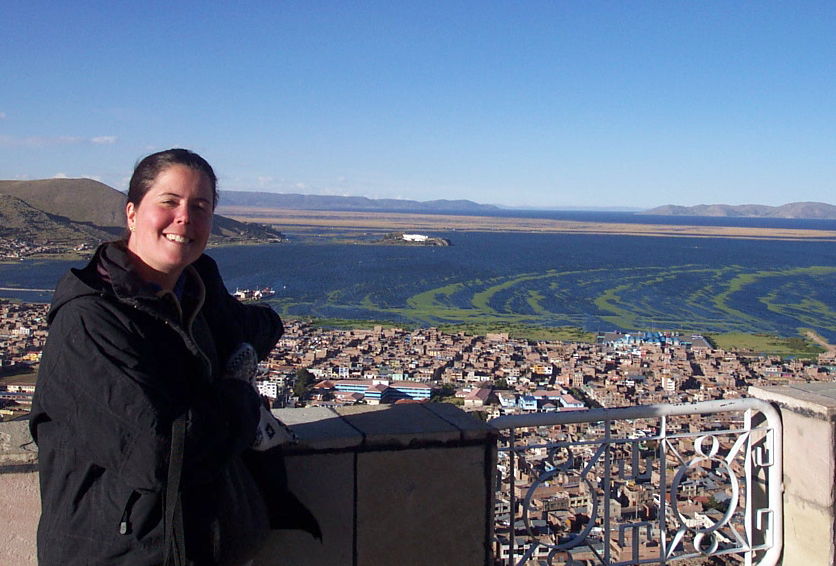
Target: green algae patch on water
765 344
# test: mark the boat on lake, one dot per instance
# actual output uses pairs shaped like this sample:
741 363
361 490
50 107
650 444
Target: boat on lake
253 294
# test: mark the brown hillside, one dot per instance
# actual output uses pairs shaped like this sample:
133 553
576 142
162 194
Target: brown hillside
80 200
19 220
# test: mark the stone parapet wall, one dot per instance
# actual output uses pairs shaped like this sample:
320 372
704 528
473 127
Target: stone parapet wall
20 503
808 415
391 484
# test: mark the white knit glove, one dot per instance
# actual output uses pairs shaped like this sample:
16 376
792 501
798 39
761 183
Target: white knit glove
242 364
271 432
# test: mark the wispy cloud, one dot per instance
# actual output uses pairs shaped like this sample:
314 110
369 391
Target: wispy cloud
37 142
2 115
65 176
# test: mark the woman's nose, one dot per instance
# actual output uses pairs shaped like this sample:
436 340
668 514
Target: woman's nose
183 214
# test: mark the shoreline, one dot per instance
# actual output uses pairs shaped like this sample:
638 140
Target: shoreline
351 221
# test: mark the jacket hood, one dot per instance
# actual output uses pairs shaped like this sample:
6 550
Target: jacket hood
109 272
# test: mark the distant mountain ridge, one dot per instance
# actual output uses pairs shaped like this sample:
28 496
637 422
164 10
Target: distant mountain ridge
328 202
812 210
75 211
85 211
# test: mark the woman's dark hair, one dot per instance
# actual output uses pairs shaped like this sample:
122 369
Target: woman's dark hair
147 170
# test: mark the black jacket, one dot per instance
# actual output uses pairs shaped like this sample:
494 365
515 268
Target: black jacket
120 364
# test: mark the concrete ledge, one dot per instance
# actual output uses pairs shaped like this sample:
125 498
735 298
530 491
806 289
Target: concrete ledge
20 501
17 451
808 415
805 537
20 507
320 429
364 427
804 398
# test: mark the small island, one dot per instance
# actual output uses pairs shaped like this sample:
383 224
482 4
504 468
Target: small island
402 239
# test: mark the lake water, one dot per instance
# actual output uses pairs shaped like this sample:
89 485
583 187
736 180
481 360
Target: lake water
592 281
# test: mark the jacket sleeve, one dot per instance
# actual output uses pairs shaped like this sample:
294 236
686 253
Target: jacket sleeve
238 322
102 380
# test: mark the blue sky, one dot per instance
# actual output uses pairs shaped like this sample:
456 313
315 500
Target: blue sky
522 103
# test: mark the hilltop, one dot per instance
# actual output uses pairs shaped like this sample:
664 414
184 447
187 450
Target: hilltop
813 210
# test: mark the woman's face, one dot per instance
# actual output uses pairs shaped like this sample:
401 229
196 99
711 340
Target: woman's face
171 225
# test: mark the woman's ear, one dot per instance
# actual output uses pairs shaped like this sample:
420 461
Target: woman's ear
130 213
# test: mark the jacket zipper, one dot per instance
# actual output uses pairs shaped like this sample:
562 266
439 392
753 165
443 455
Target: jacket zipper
124 522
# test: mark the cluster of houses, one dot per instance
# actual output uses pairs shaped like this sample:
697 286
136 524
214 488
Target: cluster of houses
503 375
23 331
492 373
15 249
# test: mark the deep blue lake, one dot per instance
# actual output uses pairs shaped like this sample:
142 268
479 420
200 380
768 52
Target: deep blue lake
592 281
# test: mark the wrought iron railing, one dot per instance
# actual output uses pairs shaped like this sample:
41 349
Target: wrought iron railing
653 484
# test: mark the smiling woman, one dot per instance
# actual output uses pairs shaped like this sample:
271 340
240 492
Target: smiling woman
170 204
141 408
